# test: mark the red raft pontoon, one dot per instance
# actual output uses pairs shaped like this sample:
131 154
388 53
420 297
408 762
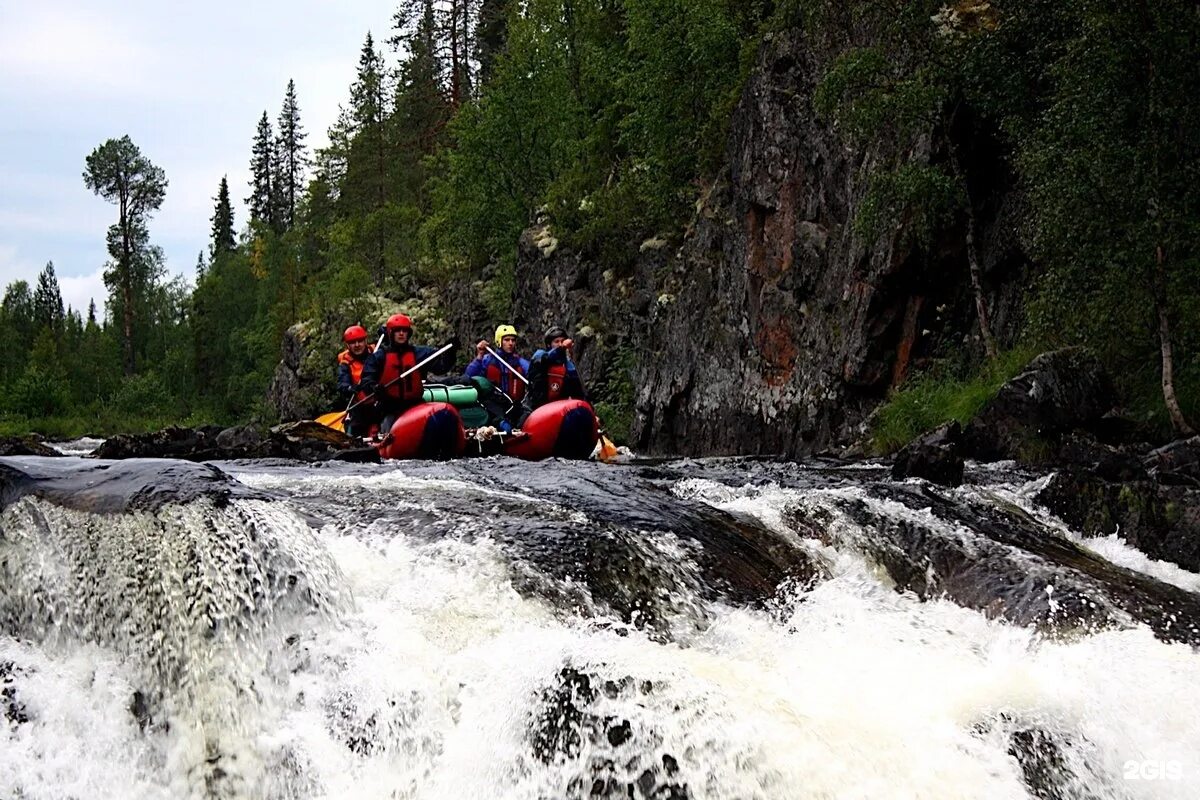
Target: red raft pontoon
560 429
429 430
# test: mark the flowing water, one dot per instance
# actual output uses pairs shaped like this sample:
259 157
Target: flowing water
499 629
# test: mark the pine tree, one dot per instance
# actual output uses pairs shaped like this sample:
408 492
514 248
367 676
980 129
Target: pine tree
262 156
222 227
292 157
47 300
118 172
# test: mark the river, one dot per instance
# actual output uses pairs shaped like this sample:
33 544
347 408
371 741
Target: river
491 628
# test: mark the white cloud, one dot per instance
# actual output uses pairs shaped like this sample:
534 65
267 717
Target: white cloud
14 267
74 49
79 290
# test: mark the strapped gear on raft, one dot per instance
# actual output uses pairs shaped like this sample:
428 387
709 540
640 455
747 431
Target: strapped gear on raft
502 331
554 332
354 333
398 321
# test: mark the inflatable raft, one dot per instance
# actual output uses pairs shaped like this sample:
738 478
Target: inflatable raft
444 426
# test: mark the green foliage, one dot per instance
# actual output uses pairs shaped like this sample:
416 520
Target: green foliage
613 394
926 401
607 116
919 197
143 395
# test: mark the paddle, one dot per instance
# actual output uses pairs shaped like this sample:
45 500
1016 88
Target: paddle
337 419
608 450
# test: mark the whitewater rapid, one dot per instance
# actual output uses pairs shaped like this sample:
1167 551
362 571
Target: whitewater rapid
431 660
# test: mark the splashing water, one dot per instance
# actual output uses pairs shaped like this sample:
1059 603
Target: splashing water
438 632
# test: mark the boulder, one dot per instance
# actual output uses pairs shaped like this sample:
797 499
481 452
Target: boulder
1176 463
1058 392
1161 521
935 456
25 446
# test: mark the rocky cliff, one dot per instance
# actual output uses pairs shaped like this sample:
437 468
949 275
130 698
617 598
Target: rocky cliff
772 327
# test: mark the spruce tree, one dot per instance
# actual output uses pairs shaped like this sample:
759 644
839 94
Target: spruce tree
262 156
491 34
292 158
91 317
222 227
47 300
365 189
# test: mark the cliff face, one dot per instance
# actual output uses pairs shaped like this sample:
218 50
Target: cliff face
772 327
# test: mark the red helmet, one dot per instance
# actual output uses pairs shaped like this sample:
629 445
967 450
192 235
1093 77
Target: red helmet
398 321
354 333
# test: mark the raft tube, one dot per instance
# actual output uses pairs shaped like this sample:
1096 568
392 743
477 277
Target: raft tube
562 429
428 430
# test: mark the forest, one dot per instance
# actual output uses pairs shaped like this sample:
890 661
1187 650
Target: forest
472 118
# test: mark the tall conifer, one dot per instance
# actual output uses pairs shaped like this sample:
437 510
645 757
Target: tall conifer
262 156
47 300
222 226
292 159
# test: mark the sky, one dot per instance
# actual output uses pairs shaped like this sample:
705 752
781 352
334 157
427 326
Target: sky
187 82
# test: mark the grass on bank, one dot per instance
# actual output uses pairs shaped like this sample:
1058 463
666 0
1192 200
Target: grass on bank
932 398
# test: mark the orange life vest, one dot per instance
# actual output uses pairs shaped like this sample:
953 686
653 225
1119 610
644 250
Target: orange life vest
394 365
356 369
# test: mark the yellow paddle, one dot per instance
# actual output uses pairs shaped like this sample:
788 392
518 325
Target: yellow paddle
334 419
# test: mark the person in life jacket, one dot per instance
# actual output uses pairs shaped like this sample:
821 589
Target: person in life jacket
381 374
552 373
504 414
351 361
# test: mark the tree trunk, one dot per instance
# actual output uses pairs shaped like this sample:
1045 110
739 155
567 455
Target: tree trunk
455 67
125 276
1178 420
985 324
981 311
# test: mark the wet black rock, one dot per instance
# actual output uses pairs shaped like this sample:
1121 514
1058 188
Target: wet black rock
1058 392
997 559
13 710
305 441
935 456
569 728
1040 754
25 446
1163 521
111 487
1176 463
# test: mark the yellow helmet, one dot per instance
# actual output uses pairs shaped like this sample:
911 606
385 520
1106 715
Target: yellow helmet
502 331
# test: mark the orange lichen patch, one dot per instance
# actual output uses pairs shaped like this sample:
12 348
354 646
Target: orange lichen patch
908 337
770 234
777 349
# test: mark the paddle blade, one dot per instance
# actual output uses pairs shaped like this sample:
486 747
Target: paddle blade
608 450
335 420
